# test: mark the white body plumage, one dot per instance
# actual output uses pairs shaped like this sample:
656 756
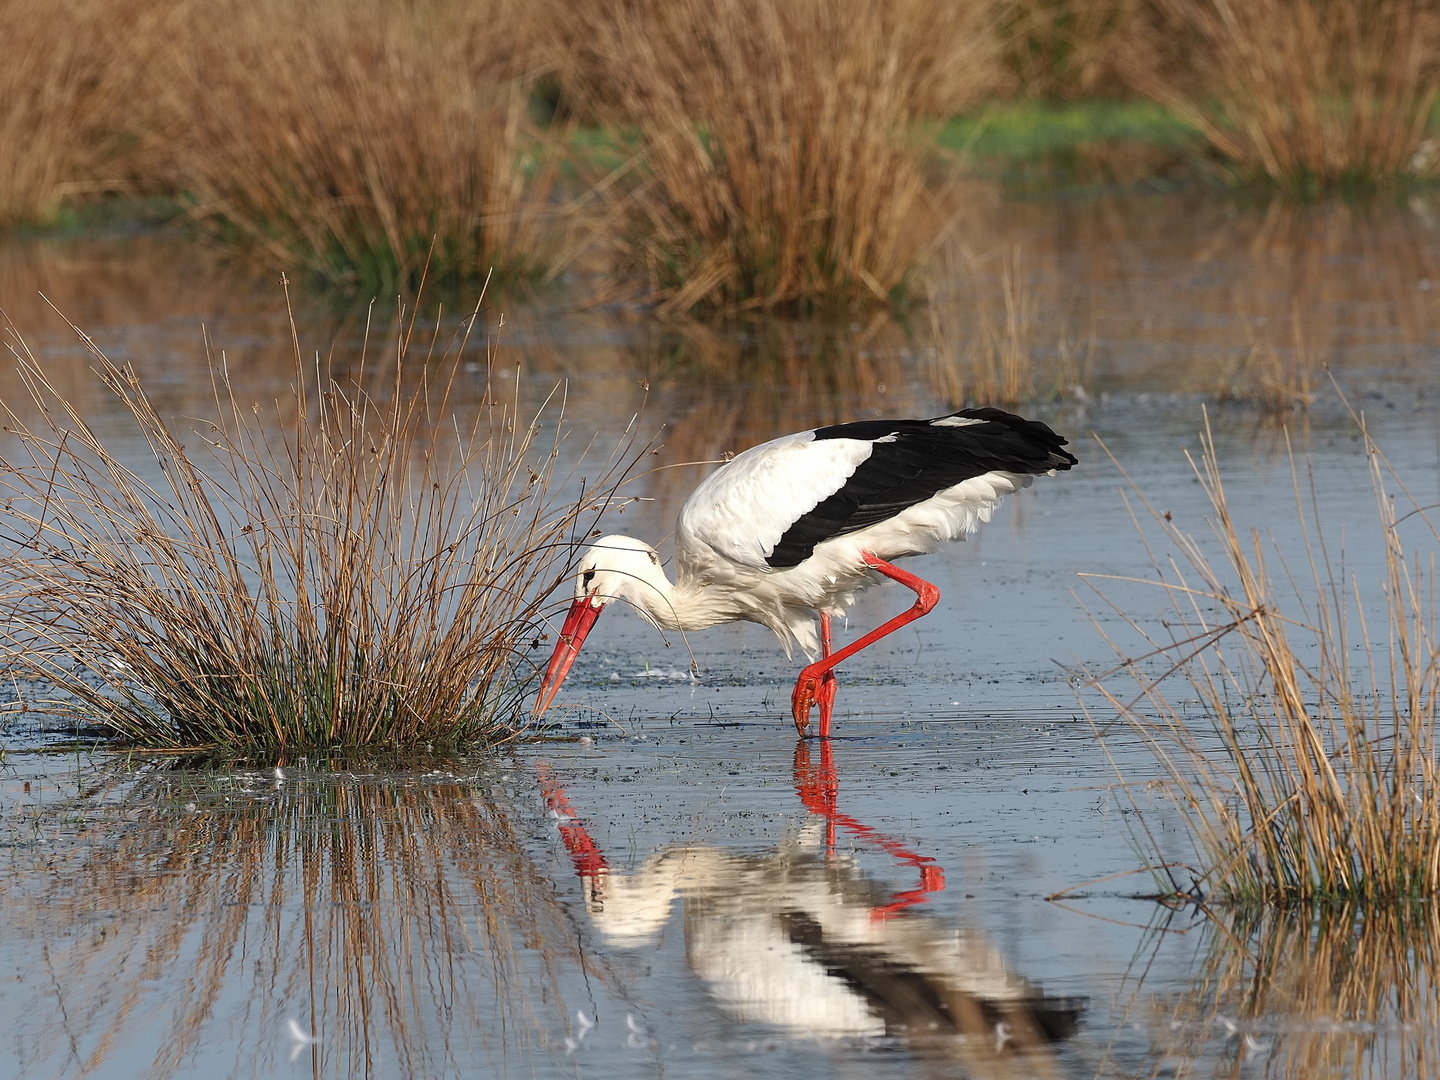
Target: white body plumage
795 527
732 522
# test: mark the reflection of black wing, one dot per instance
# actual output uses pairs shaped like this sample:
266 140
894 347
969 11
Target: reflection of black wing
912 1001
911 461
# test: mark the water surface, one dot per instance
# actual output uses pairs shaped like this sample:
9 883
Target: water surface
671 883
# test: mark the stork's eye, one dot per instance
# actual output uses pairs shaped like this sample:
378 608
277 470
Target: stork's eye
586 578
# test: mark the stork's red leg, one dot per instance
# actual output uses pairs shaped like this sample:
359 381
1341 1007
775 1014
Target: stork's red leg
825 696
819 789
810 686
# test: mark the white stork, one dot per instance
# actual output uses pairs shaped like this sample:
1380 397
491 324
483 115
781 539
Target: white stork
797 526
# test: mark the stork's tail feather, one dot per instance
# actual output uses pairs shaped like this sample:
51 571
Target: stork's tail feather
1029 445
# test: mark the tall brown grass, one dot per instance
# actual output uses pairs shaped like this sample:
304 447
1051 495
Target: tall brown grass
366 567
1068 49
356 139
67 88
1297 731
393 914
985 349
776 155
1310 92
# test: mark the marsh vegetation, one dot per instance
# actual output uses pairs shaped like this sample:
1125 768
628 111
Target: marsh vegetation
223 539
363 567
698 158
1300 740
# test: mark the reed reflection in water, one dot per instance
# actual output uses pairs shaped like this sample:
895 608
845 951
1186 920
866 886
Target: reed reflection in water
803 939
346 923
1305 993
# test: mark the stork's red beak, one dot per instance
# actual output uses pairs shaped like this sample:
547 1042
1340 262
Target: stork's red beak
572 635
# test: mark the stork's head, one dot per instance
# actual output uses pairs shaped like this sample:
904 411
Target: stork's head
613 568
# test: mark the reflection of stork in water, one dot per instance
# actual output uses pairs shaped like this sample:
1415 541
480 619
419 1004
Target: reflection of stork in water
803 939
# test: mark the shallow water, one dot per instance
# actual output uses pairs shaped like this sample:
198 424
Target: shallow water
672 884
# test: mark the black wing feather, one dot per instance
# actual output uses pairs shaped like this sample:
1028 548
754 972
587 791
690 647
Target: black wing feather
913 460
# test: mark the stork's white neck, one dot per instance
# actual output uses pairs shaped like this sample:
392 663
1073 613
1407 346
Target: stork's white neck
706 591
683 604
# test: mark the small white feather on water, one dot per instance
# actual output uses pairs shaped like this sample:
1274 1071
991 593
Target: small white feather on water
299 1039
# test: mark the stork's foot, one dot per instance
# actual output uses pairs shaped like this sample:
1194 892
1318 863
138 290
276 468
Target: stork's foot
816 686
826 701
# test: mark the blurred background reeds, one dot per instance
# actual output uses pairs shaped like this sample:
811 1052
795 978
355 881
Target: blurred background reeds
365 141
777 155
688 156
1310 93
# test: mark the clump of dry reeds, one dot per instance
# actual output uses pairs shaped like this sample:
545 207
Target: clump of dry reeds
366 568
357 140
1311 93
1302 746
778 160
1059 49
66 90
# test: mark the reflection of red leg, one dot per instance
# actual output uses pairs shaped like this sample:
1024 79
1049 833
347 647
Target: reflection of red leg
810 686
818 788
584 852
819 791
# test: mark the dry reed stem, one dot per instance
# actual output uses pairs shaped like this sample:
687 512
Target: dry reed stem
367 568
778 161
1311 776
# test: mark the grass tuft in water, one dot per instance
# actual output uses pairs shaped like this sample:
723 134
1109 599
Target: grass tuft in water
1310 94
365 143
778 160
1301 744
364 568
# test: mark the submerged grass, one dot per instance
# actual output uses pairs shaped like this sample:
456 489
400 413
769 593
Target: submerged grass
1332 990
366 568
1302 746
987 352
